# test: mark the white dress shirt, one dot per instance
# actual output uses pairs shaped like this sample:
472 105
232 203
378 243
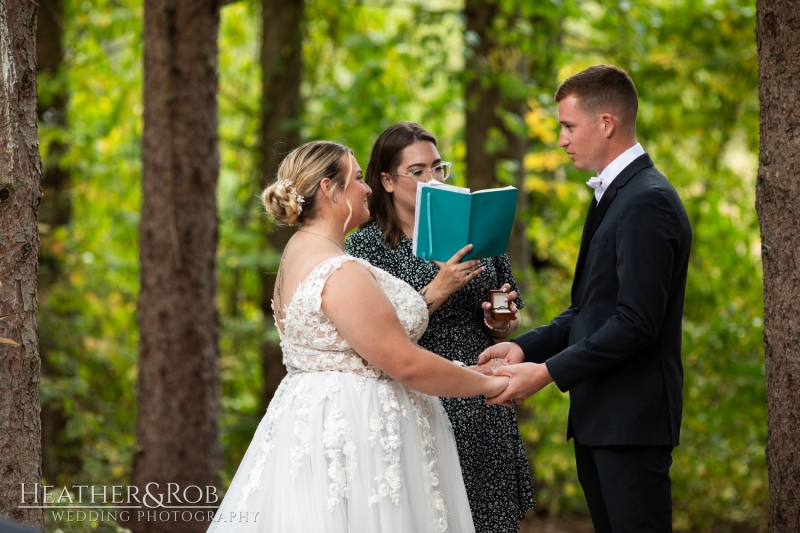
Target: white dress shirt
601 182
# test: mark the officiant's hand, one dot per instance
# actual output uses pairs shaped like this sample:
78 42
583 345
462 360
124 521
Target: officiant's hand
500 329
451 277
454 274
525 380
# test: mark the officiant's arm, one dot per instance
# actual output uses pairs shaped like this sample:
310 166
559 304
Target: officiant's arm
648 240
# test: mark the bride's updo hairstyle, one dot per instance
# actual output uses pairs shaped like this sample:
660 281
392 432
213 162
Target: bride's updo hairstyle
291 198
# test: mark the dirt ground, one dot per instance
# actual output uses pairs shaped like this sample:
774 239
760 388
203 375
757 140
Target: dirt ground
535 524
538 524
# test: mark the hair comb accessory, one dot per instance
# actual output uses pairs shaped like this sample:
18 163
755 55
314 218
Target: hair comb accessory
287 184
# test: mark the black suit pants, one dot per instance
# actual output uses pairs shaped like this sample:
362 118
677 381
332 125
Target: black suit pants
628 488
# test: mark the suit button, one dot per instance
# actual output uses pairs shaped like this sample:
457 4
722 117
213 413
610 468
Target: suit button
576 309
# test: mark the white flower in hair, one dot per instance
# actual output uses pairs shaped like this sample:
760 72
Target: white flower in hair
287 184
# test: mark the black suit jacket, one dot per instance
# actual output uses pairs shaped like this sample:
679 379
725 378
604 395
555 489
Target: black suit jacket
617 348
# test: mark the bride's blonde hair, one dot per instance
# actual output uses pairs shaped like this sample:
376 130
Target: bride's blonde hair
291 198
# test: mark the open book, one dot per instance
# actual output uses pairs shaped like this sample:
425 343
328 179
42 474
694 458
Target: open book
448 218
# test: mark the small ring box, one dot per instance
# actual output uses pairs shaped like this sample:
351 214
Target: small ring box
500 309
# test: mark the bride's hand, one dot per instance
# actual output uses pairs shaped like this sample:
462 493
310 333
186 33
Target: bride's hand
486 368
496 385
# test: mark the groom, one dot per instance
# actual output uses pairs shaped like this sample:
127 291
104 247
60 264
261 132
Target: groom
617 347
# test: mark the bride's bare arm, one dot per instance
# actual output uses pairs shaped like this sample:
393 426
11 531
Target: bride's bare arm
365 317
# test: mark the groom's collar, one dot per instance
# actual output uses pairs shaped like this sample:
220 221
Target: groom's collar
641 162
624 159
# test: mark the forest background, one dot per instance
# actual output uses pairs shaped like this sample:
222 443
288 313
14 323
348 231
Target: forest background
365 65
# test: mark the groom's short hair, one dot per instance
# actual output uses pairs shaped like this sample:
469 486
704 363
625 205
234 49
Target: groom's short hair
603 89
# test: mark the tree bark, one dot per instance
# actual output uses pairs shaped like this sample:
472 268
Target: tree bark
489 141
281 64
20 192
177 426
778 206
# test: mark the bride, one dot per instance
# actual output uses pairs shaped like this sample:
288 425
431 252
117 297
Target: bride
352 441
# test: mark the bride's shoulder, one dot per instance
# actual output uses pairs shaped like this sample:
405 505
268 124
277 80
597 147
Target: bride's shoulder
350 266
385 280
348 277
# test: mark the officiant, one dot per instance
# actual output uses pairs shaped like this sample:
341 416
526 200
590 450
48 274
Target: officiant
461 324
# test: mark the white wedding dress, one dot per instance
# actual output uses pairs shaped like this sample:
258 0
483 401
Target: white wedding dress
343 447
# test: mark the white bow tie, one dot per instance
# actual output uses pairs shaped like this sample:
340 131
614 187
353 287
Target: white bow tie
599 187
595 183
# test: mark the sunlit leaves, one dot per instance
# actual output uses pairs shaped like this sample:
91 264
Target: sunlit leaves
90 318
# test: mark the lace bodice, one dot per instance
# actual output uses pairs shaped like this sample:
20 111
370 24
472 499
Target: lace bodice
311 342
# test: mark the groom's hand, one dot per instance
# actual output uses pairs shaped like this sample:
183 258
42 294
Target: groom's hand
525 380
510 352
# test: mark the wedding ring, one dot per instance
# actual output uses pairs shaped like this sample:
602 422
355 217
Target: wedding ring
466 272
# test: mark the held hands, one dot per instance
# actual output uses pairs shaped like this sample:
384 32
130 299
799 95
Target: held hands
497 384
504 353
525 379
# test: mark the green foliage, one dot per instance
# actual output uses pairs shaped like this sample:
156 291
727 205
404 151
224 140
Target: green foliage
366 67
369 67
90 317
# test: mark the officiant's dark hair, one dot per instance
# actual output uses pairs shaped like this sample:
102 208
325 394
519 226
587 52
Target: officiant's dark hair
387 153
603 88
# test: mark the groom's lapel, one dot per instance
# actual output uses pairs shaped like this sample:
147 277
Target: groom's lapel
595 215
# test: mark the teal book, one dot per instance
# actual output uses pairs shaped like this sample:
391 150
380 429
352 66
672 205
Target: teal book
448 218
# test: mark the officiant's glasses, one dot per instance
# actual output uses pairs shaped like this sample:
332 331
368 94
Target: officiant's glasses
440 172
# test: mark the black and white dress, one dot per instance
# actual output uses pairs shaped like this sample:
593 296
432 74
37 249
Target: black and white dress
493 462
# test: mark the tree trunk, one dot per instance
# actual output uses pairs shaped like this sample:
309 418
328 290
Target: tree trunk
59 454
20 191
483 97
177 426
281 64
490 143
778 206
56 208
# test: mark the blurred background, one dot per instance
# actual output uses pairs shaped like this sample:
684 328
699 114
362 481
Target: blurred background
480 76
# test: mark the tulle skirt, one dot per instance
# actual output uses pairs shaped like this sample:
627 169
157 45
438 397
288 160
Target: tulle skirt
342 452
